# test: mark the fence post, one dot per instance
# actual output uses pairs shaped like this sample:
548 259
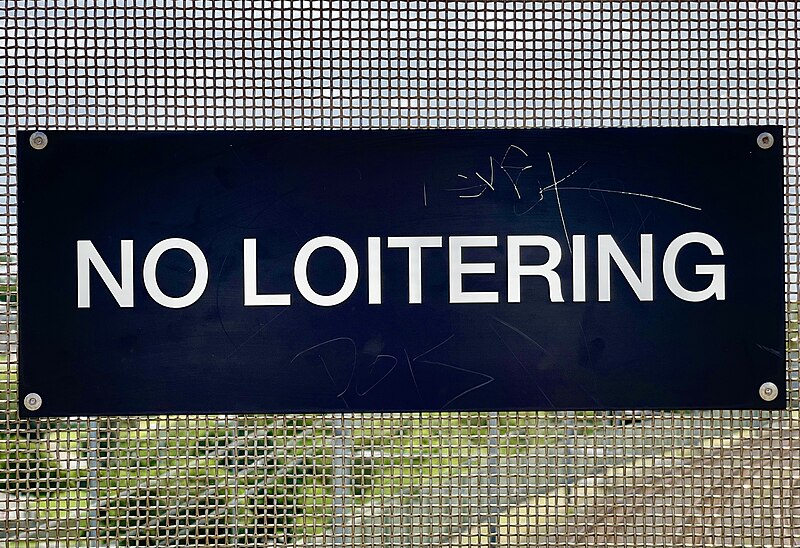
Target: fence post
94 496
236 449
494 474
342 461
571 471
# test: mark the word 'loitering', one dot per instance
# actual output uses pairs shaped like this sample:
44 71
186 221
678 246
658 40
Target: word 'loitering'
608 254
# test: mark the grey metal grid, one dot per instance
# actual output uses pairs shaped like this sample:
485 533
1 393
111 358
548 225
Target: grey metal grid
449 479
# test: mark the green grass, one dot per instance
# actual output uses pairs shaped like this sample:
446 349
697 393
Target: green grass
191 464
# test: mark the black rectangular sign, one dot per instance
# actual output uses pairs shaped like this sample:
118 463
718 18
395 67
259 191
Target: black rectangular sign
309 271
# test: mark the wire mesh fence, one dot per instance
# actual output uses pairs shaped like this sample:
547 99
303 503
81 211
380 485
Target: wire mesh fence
421 479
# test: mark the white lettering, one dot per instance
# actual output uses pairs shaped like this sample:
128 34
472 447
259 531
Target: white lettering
517 270
350 267
374 270
608 253
579 269
717 271
608 249
458 269
200 273
415 245
251 296
122 292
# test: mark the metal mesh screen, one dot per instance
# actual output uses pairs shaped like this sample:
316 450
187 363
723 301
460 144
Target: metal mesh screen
449 479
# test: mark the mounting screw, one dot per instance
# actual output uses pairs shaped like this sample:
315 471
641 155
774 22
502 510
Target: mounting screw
768 391
38 140
765 140
33 401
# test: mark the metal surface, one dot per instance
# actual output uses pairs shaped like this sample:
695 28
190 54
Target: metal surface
458 479
32 401
766 140
768 391
645 251
38 140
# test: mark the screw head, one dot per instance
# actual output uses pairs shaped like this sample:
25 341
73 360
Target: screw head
38 140
765 140
32 401
768 391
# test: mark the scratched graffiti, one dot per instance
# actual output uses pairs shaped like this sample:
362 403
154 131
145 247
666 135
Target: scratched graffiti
476 270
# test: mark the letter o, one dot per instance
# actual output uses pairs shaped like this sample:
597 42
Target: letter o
200 276
301 271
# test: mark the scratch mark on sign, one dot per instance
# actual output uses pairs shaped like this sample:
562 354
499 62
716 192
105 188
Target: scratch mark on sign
521 169
463 188
516 358
327 371
624 192
256 332
219 312
514 181
371 367
434 347
516 147
412 362
558 200
489 380
561 180
771 351
490 183
474 195
413 377
352 343
553 186
352 365
333 382
608 210
521 333
556 187
585 343
537 202
641 225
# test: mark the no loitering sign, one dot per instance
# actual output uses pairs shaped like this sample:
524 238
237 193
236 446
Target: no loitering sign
310 271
